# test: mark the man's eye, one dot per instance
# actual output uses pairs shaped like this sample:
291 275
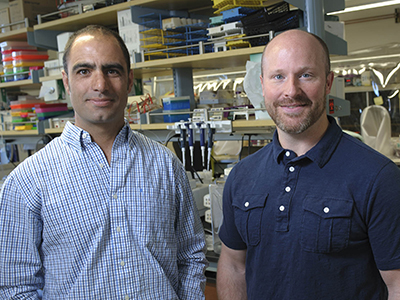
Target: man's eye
306 75
83 72
113 72
278 76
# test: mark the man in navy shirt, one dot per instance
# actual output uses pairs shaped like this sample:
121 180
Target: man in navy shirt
316 213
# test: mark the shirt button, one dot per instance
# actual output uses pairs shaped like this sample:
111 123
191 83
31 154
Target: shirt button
291 169
101 166
118 229
287 189
287 153
122 263
126 297
246 204
84 135
326 210
281 208
115 196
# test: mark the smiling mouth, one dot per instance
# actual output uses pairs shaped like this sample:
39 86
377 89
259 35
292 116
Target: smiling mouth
100 102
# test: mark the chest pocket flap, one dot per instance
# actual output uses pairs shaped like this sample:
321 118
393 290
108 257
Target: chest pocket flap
248 216
329 208
326 224
248 202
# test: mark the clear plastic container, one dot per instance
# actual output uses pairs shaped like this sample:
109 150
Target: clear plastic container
20 76
7 45
7 64
9 51
27 63
20 69
8 78
8 70
29 55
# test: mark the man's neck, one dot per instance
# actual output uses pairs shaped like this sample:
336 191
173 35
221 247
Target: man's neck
301 143
104 136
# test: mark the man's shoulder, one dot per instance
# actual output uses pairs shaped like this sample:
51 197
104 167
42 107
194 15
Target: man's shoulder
354 149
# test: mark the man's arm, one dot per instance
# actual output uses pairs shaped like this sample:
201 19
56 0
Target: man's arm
20 265
392 281
231 274
191 258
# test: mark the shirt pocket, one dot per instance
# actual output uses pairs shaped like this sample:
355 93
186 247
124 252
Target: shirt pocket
326 224
248 215
153 212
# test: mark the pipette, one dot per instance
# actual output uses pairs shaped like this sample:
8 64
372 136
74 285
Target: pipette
183 144
210 145
202 144
191 145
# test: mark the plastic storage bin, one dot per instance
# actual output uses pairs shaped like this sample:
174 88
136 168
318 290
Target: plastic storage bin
26 63
176 104
29 55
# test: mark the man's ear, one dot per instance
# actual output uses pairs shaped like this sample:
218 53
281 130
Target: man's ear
329 82
130 80
65 81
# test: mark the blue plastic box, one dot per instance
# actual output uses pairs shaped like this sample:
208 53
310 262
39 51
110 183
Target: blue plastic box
176 104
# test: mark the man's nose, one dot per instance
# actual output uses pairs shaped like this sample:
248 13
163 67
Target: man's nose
292 87
99 81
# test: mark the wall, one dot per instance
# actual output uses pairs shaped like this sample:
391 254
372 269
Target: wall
371 34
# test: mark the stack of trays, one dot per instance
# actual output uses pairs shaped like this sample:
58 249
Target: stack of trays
23 114
50 110
18 58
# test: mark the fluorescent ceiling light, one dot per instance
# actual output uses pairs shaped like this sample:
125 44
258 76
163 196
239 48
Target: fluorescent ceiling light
366 6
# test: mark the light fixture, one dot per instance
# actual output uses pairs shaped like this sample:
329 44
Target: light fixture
379 76
394 94
365 6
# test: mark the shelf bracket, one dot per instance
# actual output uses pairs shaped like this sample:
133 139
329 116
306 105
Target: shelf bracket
183 84
314 17
44 39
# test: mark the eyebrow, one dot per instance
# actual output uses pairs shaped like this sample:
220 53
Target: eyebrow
103 67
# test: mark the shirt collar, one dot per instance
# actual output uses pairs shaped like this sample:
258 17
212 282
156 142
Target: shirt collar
320 153
79 138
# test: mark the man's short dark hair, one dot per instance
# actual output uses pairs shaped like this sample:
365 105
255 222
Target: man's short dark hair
95 29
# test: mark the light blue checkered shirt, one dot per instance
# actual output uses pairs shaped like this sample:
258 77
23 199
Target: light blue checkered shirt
79 228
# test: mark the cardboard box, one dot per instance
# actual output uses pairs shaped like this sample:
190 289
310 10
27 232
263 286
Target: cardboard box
52 67
5 19
129 31
21 9
62 40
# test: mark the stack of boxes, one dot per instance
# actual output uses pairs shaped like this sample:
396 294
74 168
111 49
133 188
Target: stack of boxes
18 10
28 109
19 59
227 31
21 9
23 113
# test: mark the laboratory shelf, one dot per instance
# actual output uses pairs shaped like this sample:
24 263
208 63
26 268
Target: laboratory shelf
52 77
20 83
16 35
212 60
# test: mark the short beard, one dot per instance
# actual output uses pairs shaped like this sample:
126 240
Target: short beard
306 122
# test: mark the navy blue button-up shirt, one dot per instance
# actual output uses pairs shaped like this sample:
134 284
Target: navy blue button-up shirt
318 226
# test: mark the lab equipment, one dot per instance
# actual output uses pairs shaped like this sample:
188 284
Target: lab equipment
183 143
190 140
202 143
210 145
